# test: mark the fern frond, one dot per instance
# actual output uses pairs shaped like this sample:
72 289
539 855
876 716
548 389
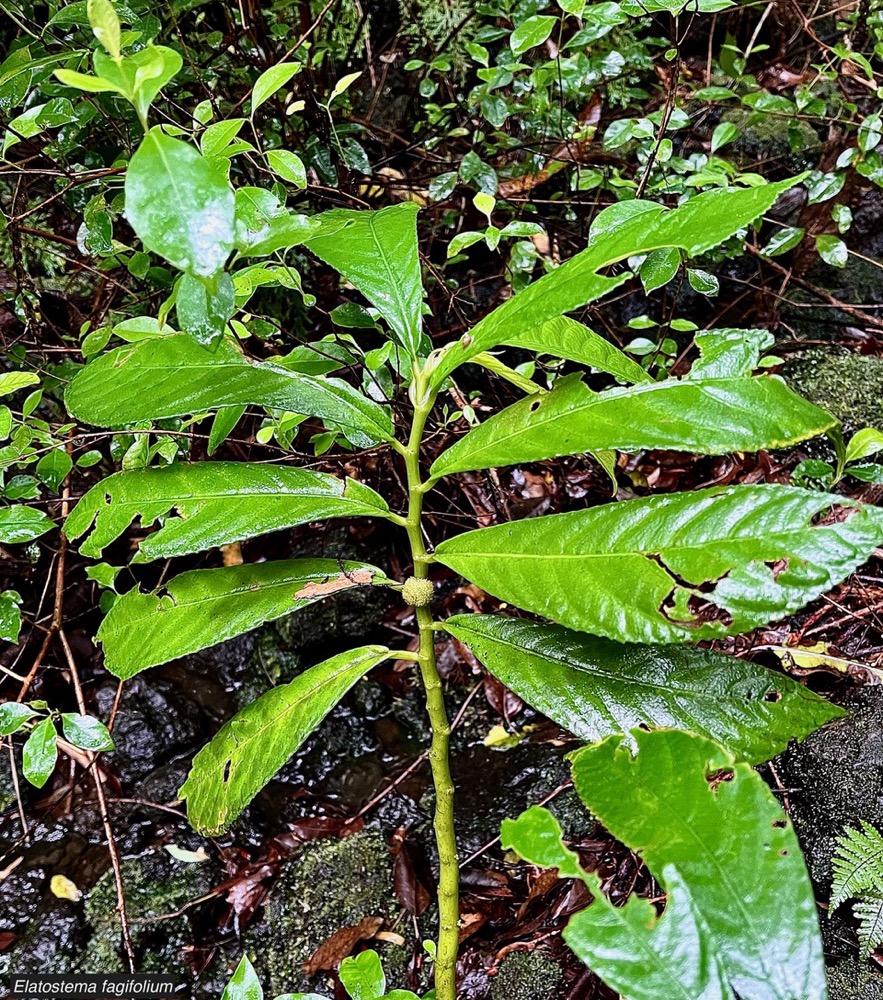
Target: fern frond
869 911
857 865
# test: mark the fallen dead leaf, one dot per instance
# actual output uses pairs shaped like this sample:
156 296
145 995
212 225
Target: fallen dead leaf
342 582
332 952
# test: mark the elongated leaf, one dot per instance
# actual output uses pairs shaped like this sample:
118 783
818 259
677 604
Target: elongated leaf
595 688
180 206
563 337
624 230
244 983
667 802
377 252
636 953
86 732
708 417
23 524
686 566
213 503
203 607
13 715
228 773
174 377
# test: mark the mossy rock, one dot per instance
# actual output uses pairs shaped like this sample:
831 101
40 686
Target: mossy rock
848 385
332 885
854 980
527 975
154 885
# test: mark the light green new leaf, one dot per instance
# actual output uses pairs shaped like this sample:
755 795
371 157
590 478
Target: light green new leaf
105 25
673 568
532 31
857 865
623 230
377 252
595 688
23 524
203 607
213 503
174 377
179 205
270 81
14 381
708 417
868 441
40 753
228 773
636 953
289 166
10 616
563 337
684 801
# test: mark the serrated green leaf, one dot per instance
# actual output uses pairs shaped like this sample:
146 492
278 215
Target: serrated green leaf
672 568
377 252
563 337
668 803
175 376
203 607
869 912
639 955
624 230
23 524
729 353
708 417
13 715
228 773
595 688
179 205
86 732
40 753
213 503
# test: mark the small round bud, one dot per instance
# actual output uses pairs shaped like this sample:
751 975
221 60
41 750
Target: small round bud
417 592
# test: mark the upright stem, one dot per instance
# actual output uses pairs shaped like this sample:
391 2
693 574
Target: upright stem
449 873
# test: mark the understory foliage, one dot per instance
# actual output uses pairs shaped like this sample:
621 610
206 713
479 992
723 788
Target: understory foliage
600 609
858 875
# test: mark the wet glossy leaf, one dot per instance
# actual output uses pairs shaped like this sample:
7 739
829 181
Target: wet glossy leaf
864 443
563 337
212 503
659 268
13 715
11 382
174 376
10 616
728 353
40 753
362 976
714 820
708 417
105 25
532 31
289 166
624 230
832 250
179 205
23 524
86 732
203 607
595 688
244 983
638 954
204 306
377 252
53 467
264 225
685 566
249 750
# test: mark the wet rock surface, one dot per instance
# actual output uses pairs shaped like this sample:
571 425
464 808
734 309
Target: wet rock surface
835 779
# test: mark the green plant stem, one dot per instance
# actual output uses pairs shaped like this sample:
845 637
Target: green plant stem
449 870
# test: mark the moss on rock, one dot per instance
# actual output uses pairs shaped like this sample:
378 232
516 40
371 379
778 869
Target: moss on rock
848 385
527 975
333 884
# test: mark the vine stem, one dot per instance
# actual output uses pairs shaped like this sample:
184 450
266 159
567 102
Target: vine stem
423 398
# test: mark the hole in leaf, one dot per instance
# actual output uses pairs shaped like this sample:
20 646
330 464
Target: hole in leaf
227 766
773 696
534 405
779 824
